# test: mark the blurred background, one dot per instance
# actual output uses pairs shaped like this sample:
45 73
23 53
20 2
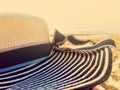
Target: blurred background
71 16
85 19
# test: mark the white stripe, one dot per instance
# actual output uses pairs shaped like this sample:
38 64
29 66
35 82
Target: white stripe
57 75
51 80
99 77
78 70
28 71
51 68
103 46
56 68
68 67
85 74
83 59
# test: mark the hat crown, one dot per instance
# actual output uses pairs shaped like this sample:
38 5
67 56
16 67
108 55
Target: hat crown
19 30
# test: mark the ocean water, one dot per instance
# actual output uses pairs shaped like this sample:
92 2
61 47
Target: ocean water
85 29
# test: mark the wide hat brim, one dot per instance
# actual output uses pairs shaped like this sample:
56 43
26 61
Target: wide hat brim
63 69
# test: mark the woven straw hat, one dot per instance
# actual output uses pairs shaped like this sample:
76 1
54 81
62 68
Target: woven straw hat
28 61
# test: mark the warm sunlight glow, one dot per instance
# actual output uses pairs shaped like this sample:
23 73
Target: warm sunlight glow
80 16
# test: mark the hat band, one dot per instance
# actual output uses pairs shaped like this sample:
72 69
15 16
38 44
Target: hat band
26 54
22 65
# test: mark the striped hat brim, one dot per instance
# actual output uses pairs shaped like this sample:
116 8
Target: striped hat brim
63 70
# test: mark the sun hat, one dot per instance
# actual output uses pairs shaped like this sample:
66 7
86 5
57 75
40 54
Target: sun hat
29 61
